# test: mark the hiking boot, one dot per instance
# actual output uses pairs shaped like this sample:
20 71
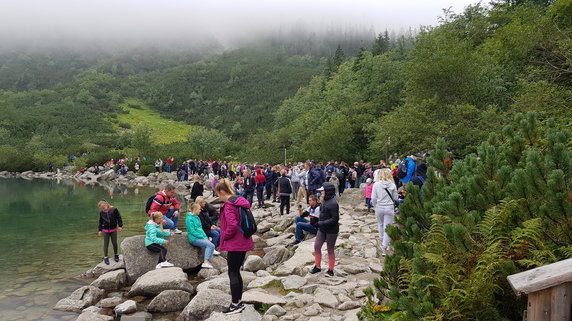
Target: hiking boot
234 308
177 231
329 273
116 258
315 270
106 260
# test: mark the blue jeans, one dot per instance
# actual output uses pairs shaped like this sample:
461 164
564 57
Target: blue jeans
302 225
249 195
172 221
215 234
168 168
209 247
368 203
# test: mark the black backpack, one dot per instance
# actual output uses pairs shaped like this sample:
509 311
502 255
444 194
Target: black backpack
247 221
402 169
149 203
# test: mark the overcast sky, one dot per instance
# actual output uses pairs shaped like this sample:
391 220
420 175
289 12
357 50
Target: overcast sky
27 20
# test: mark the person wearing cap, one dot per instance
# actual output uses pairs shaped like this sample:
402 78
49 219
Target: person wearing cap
328 229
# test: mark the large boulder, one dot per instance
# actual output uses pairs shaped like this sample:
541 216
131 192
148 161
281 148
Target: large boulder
254 263
139 260
169 301
80 299
203 304
276 255
154 282
111 281
108 176
296 263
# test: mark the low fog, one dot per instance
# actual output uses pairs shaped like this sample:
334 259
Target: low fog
137 22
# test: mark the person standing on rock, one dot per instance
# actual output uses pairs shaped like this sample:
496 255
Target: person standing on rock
328 229
260 181
233 241
166 203
302 190
249 186
283 191
383 197
109 224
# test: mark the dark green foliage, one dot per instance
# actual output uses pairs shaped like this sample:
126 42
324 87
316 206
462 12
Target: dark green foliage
502 210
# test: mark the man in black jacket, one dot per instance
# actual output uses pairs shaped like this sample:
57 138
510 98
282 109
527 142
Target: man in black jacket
328 229
283 186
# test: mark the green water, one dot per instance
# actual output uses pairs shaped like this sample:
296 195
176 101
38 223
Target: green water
49 235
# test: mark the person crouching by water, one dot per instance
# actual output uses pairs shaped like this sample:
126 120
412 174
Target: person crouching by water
233 241
327 229
109 224
155 238
302 224
197 236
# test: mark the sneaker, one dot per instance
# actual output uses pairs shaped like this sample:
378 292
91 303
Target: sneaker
166 264
383 251
116 258
295 242
234 308
177 231
158 266
315 270
207 266
215 252
329 273
106 260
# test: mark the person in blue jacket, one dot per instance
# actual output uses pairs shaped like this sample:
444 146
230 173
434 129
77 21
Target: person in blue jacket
411 166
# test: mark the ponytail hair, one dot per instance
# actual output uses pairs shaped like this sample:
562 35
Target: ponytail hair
225 186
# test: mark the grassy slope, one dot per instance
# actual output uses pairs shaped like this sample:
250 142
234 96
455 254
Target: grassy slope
163 131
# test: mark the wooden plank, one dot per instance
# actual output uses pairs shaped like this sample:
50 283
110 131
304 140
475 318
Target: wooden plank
539 306
561 300
541 278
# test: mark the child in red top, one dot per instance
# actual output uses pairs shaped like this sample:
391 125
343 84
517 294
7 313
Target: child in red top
367 194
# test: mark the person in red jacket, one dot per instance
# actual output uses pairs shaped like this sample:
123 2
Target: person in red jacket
260 181
166 203
233 241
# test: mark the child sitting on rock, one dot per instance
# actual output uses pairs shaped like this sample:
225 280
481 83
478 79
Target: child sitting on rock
197 236
155 238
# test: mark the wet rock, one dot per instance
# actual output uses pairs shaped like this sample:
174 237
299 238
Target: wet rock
139 260
109 302
126 307
80 299
93 316
203 304
169 301
154 282
253 263
111 281
93 309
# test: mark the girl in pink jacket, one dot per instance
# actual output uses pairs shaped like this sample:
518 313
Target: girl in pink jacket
367 194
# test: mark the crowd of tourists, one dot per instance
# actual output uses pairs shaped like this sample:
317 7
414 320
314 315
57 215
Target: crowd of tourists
313 188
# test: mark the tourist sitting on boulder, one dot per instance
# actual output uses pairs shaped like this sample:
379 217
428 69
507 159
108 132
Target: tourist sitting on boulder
197 236
155 238
109 223
302 224
209 218
166 203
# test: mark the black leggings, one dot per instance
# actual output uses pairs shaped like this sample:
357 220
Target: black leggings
284 201
235 260
106 237
158 249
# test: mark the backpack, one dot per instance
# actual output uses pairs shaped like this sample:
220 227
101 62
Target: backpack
402 169
149 203
247 221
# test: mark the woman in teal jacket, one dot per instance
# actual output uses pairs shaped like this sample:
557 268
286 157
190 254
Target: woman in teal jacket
197 236
155 238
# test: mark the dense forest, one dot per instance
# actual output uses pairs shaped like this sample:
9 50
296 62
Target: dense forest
319 96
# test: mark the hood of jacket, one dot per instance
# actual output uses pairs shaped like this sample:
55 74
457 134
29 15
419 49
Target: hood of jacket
329 191
386 184
151 225
239 201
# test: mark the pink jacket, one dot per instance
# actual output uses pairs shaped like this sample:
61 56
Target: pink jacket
367 192
231 239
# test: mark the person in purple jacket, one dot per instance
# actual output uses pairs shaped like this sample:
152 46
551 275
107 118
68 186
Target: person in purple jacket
232 240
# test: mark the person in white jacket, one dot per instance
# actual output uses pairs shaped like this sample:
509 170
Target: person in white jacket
383 195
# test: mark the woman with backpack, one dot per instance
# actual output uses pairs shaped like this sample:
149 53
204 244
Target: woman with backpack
233 240
383 197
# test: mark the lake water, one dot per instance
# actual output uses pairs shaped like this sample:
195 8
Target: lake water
49 235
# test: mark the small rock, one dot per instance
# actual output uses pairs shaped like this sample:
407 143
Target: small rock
309 289
93 309
93 316
275 310
313 310
293 282
254 263
80 299
276 255
375 267
203 304
169 301
357 268
207 273
359 294
126 307
111 281
109 302
258 296
261 282
326 298
349 305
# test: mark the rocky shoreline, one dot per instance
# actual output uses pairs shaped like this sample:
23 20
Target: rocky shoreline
277 285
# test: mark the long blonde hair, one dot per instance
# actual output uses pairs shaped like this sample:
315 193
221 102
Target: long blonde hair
104 204
155 216
385 175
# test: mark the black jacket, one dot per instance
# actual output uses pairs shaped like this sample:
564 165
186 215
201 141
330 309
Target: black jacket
211 213
285 185
249 183
329 211
197 190
109 220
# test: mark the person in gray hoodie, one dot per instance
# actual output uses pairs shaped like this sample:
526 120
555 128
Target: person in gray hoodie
383 197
